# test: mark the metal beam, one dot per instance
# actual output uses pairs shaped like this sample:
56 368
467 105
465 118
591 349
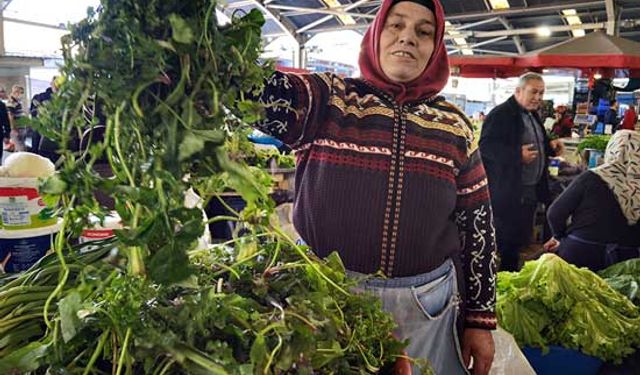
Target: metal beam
327 18
612 28
525 10
534 30
6 4
331 11
516 39
494 52
474 24
460 47
33 23
2 51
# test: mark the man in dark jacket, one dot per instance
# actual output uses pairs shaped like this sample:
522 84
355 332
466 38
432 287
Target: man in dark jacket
5 127
514 148
611 116
37 101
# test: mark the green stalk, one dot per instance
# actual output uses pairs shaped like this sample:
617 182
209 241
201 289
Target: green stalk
59 245
136 261
116 141
96 353
123 354
304 256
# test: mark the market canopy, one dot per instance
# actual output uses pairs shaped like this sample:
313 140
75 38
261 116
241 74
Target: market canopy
593 51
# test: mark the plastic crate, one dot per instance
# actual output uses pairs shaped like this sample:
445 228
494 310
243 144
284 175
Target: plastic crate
562 361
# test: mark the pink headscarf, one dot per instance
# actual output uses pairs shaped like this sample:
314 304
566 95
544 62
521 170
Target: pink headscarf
428 84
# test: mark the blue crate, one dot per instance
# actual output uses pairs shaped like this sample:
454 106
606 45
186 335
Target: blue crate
562 361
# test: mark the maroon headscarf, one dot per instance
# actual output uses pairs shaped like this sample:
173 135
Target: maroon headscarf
428 84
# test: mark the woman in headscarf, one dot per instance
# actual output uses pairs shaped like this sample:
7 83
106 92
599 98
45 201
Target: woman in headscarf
604 207
388 175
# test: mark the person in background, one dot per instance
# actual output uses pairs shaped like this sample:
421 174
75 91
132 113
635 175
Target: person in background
563 122
603 207
515 150
3 94
5 126
630 119
611 116
16 112
389 176
36 102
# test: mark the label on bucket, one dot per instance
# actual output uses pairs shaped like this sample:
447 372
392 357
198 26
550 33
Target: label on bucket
95 235
21 207
15 211
18 254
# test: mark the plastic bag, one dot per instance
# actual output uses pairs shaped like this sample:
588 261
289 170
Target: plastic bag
508 359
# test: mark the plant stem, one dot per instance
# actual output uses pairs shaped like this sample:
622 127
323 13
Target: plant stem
123 354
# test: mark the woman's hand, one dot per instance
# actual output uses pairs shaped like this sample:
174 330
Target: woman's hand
551 245
478 344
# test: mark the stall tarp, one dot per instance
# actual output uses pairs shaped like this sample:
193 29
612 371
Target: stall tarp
594 50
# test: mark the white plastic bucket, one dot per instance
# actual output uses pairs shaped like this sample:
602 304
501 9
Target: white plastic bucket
20 249
21 206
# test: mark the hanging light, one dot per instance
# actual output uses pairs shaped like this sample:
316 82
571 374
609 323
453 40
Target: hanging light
544 31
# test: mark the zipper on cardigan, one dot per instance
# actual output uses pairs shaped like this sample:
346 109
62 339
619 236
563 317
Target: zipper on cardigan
394 194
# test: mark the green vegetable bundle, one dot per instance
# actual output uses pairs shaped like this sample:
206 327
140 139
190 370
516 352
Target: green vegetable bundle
625 278
551 302
596 142
167 82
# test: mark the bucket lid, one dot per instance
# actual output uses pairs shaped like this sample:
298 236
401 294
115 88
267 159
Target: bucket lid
29 233
26 182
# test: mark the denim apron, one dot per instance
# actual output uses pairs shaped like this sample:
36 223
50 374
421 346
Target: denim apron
426 308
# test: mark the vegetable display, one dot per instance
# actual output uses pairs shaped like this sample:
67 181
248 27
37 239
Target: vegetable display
551 302
625 278
153 90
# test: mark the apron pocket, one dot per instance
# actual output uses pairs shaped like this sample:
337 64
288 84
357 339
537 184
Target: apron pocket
436 297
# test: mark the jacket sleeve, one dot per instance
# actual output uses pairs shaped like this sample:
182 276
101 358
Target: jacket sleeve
565 205
475 222
495 141
5 126
294 106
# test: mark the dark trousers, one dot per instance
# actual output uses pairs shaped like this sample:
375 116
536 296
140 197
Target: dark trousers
510 246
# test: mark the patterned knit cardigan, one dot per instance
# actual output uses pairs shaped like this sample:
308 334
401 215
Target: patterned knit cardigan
392 188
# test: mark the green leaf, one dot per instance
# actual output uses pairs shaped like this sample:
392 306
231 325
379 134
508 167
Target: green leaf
215 136
167 45
28 358
69 321
258 351
169 265
191 144
53 185
181 32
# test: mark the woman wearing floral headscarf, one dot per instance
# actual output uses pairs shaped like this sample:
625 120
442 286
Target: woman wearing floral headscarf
388 175
604 208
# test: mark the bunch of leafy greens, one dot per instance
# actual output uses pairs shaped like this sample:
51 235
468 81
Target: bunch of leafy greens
551 302
625 278
166 81
595 142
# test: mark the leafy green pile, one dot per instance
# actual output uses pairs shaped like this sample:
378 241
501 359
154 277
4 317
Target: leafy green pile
551 302
625 278
596 142
167 81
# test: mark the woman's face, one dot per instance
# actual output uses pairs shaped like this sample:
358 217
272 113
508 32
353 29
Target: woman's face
407 41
